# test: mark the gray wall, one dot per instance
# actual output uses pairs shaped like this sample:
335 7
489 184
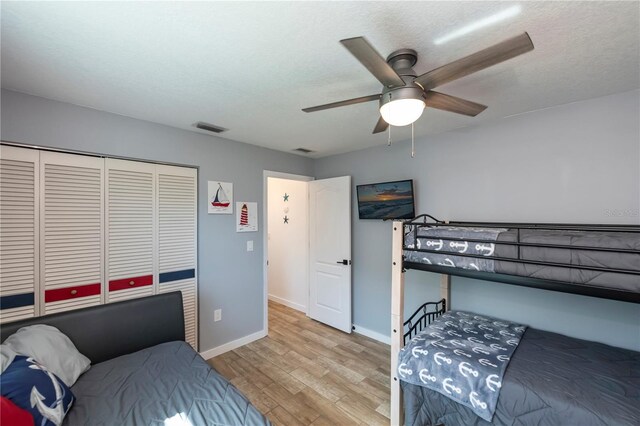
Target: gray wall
573 163
230 277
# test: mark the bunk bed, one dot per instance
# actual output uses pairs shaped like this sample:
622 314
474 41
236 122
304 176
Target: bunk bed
594 260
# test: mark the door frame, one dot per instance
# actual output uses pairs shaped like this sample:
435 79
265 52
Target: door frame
265 240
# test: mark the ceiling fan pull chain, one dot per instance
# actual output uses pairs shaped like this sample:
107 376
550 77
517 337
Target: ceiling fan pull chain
389 140
413 143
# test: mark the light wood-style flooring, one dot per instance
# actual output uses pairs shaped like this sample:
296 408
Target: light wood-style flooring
306 373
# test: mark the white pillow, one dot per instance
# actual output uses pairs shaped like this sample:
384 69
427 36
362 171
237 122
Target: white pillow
6 357
51 348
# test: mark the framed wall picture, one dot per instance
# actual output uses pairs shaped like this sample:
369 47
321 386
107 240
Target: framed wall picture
246 216
220 197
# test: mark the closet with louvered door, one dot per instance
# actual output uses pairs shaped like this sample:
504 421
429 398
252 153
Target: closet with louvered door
19 218
177 243
71 231
78 231
130 229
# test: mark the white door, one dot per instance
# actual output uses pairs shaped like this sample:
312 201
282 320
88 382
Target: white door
177 207
330 252
19 244
71 231
130 229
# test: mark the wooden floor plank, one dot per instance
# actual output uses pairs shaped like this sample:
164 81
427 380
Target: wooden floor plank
280 416
223 368
327 409
306 373
327 390
363 413
244 368
254 394
348 373
298 408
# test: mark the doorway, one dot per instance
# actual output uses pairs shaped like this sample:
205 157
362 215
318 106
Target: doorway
286 241
307 247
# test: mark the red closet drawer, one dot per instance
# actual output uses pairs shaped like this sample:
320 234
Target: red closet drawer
71 292
134 282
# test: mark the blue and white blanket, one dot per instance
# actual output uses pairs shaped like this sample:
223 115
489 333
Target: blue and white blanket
462 356
449 240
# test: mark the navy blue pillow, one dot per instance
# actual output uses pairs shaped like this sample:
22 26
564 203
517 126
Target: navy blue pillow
30 386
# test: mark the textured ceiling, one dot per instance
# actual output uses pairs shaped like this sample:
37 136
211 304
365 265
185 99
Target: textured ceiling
250 67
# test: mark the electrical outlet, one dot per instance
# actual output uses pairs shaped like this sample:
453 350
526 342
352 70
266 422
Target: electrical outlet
217 315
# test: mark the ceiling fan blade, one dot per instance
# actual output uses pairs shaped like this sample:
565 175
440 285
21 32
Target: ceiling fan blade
453 104
478 61
381 126
343 103
371 59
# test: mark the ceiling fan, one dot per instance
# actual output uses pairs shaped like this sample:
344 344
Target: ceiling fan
405 94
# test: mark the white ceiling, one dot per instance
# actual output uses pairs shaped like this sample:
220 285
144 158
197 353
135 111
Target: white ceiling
251 67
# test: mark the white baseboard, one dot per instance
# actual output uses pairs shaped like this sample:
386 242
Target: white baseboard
372 334
285 302
219 350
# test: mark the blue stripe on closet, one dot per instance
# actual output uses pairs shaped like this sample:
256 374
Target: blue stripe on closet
177 275
16 300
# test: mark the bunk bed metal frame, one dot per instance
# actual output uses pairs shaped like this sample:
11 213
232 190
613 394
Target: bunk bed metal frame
398 335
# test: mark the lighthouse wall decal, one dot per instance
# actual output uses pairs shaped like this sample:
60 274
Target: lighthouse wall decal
220 197
246 216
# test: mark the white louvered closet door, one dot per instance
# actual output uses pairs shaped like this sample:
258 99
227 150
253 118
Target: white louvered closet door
71 231
177 244
19 251
130 223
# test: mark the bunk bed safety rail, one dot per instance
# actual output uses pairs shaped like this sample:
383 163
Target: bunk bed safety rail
589 259
414 325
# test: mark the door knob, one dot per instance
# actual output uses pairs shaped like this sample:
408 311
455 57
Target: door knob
344 262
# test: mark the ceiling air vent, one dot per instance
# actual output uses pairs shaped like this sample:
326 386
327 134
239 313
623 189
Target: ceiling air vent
210 127
303 150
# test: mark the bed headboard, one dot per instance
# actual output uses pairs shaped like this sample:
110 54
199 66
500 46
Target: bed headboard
107 331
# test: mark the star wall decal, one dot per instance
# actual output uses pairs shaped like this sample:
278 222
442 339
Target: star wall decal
286 196
286 219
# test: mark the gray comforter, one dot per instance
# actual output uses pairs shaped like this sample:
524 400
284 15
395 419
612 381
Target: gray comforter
165 384
621 240
551 380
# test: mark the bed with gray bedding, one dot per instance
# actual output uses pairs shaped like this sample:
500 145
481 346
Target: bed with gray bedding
142 371
166 384
551 380
449 241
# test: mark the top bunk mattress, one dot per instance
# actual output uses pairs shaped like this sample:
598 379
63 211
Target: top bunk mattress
455 246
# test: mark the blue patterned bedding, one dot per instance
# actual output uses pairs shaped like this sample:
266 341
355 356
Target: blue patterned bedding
450 240
447 241
462 356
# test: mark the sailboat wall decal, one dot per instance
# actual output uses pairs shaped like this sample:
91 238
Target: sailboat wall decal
220 197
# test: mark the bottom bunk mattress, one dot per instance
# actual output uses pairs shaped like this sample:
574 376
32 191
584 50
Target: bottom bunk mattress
162 385
551 380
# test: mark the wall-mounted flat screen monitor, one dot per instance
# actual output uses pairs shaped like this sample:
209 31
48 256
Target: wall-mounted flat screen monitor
386 200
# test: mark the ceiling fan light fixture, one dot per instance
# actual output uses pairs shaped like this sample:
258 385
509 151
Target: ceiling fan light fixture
402 112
